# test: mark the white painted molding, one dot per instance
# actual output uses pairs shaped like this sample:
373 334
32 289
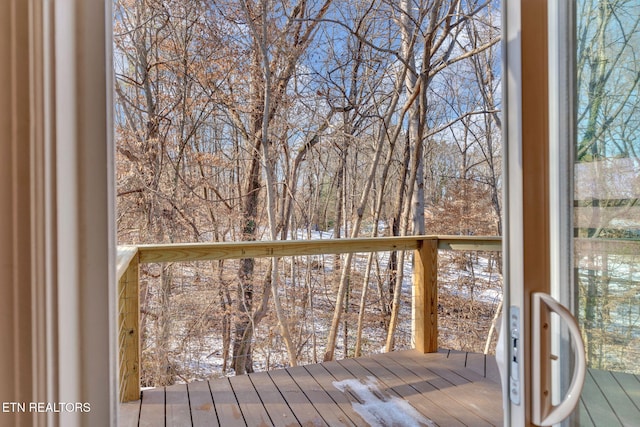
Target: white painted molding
85 246
513 249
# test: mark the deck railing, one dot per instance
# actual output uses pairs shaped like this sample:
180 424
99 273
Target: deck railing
425 280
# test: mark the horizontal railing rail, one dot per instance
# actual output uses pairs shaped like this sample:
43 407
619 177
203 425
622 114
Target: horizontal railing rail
124 257
425 272
265 249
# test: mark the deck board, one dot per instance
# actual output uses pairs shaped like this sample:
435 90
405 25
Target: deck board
440 414
305 412
253 410
449 388
307 395
226 405
618 399
178 412
203 411
324 377
631 386
597 405
480 397
276 406
399 405
610 397
583 415
129 414
332 412
482 364
437 389
152 408
404 382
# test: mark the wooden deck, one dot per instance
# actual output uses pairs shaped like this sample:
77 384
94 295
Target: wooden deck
445 389
610 399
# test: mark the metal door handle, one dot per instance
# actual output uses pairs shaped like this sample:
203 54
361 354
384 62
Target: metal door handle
544 413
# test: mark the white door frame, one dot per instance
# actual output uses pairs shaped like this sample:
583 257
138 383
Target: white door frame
513 251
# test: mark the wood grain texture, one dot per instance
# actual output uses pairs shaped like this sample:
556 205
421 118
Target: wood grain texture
124 255
152 409
129 332
409 387
425 297
177 408
434 389
266 249
129 414
272 399
203 411
323 377
253 410
481 399
224 399
331 412
425 280
441 389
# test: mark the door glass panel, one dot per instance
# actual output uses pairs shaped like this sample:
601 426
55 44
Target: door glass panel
606 207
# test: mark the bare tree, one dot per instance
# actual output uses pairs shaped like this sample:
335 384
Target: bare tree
607 148
279 37
440 24
251 119
162 104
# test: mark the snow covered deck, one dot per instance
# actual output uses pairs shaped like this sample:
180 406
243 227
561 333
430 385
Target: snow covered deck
400 388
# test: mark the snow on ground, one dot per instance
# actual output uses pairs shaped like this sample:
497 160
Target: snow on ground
378 408
196 334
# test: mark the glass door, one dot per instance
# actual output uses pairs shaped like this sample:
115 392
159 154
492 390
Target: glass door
594 64
605 208
572 243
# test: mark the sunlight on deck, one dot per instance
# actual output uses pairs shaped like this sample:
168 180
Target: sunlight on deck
445 388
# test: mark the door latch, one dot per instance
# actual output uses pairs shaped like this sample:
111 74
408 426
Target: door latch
514 355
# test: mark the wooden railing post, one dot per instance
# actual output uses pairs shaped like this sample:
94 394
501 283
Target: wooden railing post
425 296
129 330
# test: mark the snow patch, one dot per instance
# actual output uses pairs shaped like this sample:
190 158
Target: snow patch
379 409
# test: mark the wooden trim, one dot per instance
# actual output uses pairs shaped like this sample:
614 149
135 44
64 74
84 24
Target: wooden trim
465 243
124 256
425 297
425 281
129 327
265 249
535 171
18 360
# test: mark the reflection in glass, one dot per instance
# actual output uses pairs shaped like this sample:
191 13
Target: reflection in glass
607 182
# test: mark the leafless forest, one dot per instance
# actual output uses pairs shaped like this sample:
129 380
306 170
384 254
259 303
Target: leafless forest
241 120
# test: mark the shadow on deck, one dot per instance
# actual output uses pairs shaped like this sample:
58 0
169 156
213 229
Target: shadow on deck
446 388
